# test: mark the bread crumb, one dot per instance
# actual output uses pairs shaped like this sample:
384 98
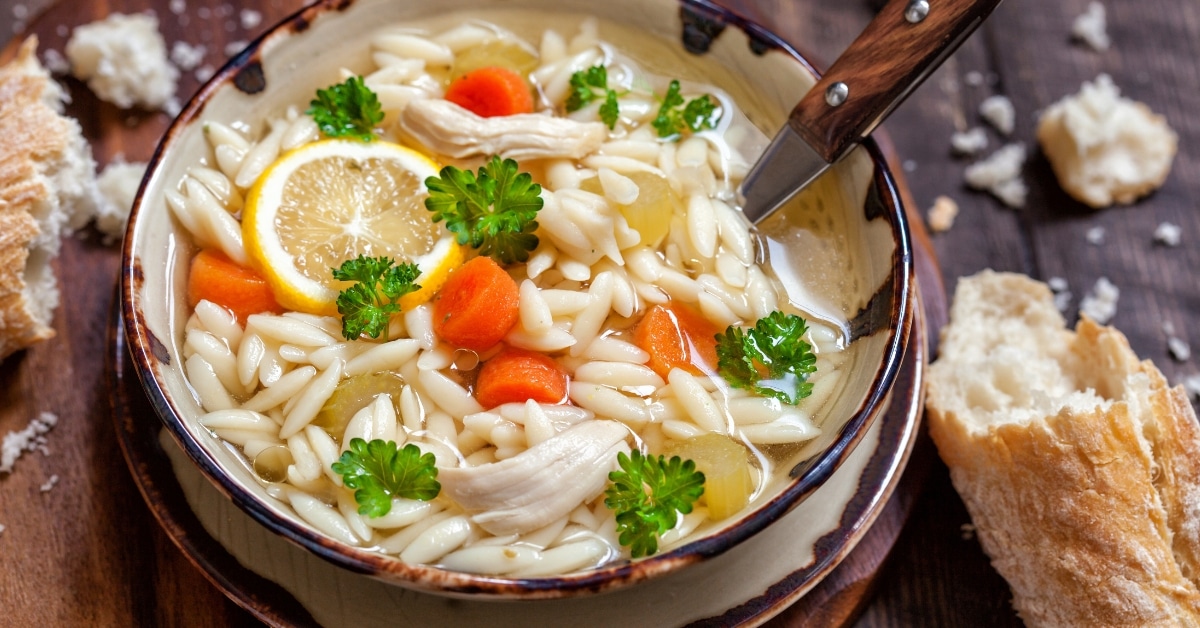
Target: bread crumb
971 142
999 112
909 165
1000 174
1168 328
967 530
973 78
1011 192
187 56
55 62
2 528
1062 295
250 18
234 47
205 72
118 185
49 484
1095 236
1168 234
123 59
1100 304
29 439
941 215
1191 384
1091 27
1104 148
178 7
1179 349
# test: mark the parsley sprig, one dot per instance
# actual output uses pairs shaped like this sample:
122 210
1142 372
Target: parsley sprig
771 359
494 212
380 470
674 116
648 494
591 84
367 306
348 109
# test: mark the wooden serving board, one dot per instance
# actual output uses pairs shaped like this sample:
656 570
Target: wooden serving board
80 545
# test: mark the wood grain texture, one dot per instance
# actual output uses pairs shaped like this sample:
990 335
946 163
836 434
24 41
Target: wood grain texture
938 576
88 552
881 66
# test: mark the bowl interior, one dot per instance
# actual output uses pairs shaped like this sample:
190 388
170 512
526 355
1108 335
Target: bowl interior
849 223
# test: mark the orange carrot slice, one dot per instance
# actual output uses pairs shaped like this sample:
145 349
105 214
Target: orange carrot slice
676 335
516 375
491 91
216 278
477 305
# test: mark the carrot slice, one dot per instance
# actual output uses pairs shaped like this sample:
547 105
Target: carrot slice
477 305
216 278
491 91
676 335
516 375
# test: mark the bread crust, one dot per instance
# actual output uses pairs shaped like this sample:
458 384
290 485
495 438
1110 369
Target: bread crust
31 133
1091 513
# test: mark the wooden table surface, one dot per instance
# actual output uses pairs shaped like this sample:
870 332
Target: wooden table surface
86 551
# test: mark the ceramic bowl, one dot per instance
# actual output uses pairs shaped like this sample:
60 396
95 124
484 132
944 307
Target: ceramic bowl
862 260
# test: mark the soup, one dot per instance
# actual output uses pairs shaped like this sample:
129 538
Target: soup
525 343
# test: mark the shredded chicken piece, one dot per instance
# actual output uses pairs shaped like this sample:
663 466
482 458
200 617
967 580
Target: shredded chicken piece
449 129
541 484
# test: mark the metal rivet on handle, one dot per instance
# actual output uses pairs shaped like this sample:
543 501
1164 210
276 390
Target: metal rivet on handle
916 11
837 94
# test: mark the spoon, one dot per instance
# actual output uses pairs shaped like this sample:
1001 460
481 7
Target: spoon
904 44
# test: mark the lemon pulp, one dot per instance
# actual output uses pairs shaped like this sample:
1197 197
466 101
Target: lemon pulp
333 200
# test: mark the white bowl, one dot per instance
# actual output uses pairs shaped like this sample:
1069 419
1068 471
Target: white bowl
866 264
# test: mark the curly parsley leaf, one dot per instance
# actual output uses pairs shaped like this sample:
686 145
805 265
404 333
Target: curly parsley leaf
367 306
771 359
591 84
610 111
674 116
648 494
380 470
494 212
347 109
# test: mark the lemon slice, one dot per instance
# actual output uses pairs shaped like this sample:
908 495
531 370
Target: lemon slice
330 201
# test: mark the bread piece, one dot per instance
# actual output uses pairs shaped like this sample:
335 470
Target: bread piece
47 186
1106 149
1091 27
1000 174
123 58
1079 465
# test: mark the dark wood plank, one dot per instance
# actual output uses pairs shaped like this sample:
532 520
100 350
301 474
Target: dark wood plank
937 577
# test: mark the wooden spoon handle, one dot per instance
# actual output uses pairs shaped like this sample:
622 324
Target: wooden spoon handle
887 61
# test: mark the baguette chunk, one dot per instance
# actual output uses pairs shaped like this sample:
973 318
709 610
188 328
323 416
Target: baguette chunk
47 188
1079 465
